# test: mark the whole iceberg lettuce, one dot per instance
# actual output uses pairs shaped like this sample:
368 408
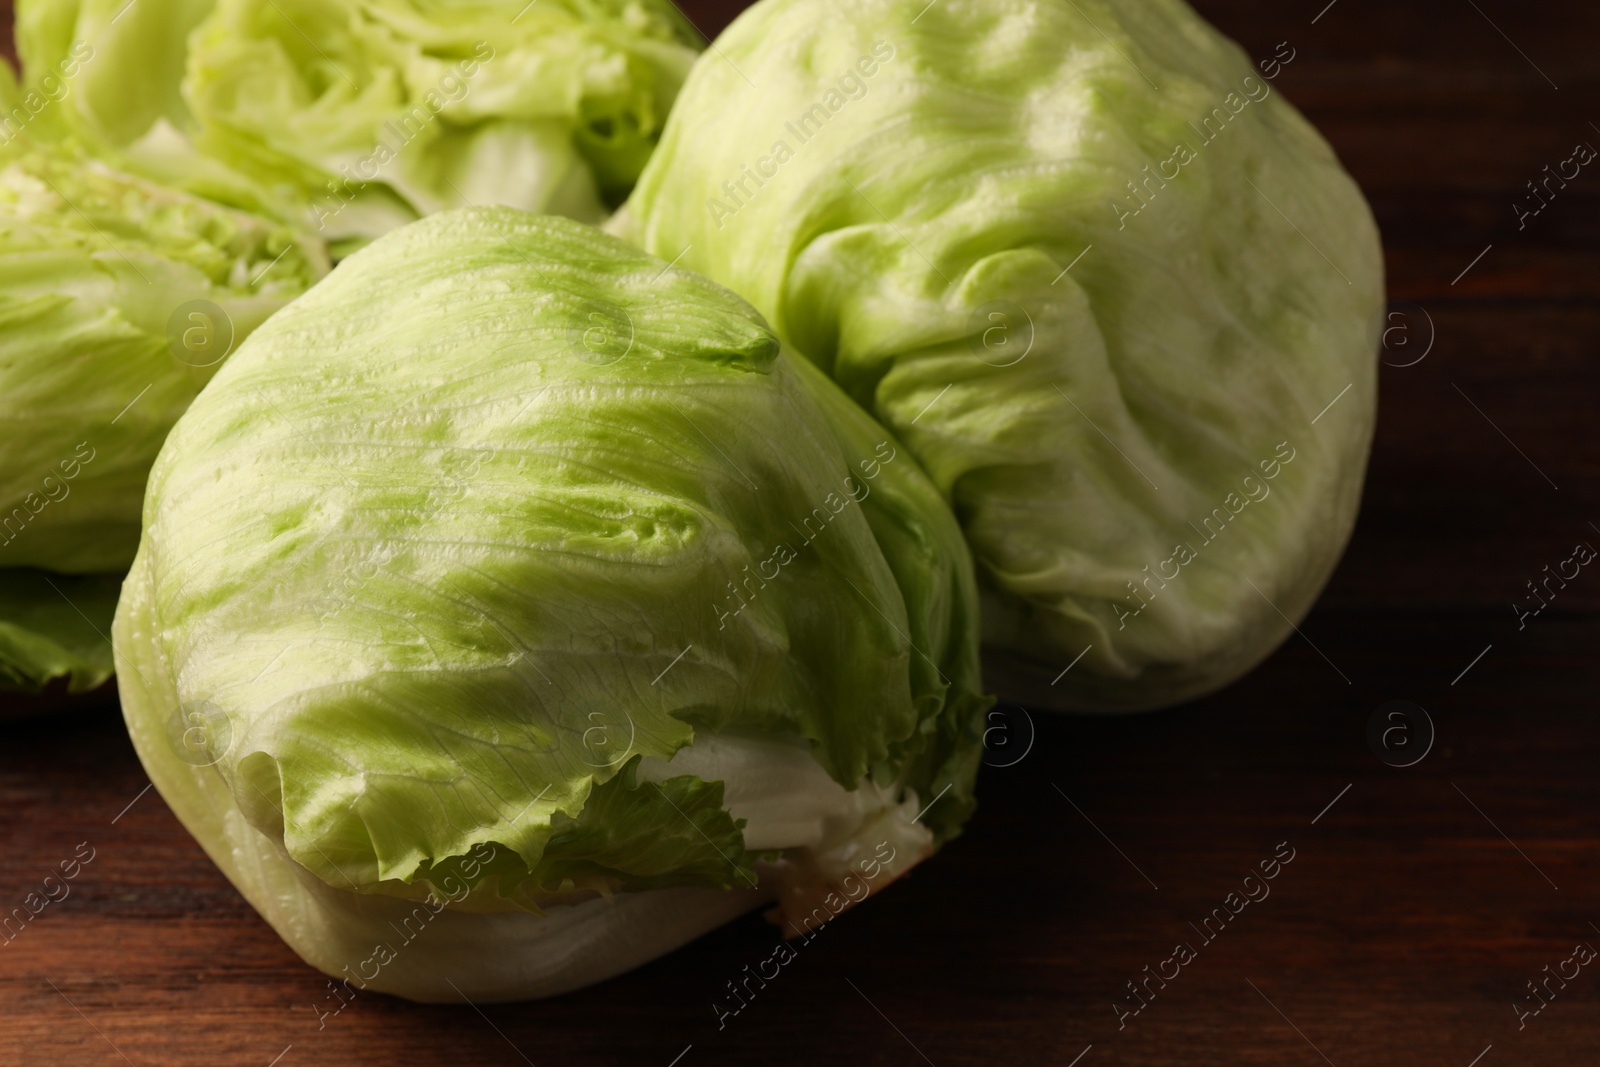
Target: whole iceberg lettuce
511 590
1115 294
118 299
370 113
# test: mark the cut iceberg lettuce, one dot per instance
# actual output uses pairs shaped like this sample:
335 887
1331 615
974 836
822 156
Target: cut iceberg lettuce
118 299
513 585
366 114
1115 294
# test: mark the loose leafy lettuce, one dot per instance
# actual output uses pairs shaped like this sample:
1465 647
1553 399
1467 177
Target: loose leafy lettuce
369 113
513 568
1115 294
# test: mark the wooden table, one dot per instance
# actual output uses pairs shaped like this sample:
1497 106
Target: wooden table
1419 901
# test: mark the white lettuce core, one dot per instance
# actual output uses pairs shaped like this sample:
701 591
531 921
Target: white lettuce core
377 942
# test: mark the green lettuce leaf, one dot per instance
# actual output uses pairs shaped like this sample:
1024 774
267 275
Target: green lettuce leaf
366 114
1092 268
80 54
118 298
55 626
647 836
508 537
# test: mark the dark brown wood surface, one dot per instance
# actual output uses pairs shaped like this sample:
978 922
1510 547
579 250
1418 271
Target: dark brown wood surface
1416 908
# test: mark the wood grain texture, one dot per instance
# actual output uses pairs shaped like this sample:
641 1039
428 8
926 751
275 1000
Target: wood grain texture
1408 921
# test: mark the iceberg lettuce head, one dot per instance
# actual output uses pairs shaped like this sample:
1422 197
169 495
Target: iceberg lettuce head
510 610
370 113
1115 294
118 299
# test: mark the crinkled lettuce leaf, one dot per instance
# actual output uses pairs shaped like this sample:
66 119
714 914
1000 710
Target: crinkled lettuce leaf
118 299
107 74
55 626
471 545
1092 268
366 114
81 55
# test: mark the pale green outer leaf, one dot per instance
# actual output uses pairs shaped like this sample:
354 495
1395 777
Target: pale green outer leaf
465 545
365 114
900 169
94 266
118 65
